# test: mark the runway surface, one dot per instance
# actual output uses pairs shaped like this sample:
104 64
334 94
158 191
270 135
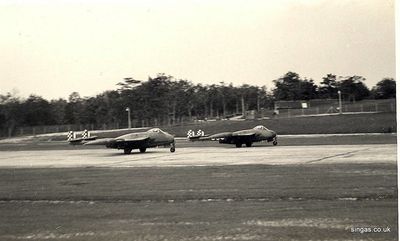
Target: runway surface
209 156
289 192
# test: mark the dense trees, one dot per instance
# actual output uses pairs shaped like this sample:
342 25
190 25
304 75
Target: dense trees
329 87
384 89
353 88
163 100
292 87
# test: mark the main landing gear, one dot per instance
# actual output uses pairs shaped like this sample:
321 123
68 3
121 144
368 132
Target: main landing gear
127 150
248 144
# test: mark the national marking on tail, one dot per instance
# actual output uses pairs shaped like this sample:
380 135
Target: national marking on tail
85 136
191 135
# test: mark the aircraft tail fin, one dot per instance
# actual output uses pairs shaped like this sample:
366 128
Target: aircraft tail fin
85 136
192 135
71 135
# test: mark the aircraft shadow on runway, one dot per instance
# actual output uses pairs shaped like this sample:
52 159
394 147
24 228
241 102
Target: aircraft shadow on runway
134 153
131 154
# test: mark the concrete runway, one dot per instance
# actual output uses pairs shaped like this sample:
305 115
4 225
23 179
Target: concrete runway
208 156
308 192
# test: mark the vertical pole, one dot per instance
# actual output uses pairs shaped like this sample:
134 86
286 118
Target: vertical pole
317 110
129 117
243 110
361 108
340 101
376 107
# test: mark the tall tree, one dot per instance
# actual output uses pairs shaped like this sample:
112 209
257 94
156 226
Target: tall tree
292 87
74 109
58 110
328 87
287 87
37 111
385 89
353 88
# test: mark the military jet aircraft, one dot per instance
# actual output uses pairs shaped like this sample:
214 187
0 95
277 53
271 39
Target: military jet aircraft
140 140
258 133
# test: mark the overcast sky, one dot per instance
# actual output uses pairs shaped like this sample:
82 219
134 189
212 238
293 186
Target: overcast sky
52 48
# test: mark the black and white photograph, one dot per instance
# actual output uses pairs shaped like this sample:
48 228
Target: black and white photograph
198 120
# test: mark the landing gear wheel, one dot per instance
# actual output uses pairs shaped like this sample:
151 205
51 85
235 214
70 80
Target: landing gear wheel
172 149
142 150
127 150
248 144
275 142
238 145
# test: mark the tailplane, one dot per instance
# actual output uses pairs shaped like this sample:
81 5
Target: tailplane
192 135
86 136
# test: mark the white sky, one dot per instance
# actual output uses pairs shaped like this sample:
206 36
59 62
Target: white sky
52 48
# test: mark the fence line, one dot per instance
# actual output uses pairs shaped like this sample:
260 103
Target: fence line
365 106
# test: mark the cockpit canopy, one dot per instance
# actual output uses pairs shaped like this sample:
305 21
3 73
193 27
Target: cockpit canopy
156 130
261 128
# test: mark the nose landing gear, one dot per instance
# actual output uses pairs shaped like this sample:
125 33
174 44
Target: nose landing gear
275 141
172 149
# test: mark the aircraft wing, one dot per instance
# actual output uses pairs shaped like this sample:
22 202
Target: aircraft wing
220 135
82 140
102 141
133 139
106 141
244 133
243 136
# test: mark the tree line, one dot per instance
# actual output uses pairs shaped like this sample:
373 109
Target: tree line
163 100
